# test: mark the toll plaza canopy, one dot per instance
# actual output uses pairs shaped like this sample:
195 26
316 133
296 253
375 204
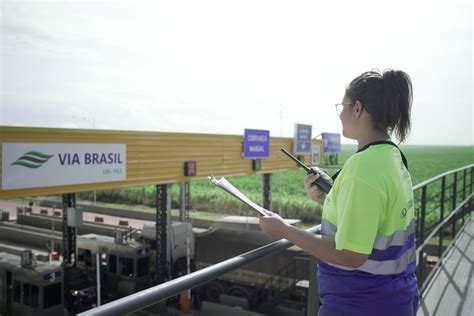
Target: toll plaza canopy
50 161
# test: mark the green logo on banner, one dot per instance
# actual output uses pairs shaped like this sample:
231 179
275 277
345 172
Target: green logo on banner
32 159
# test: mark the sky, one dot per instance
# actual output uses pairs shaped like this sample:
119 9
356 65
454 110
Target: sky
219 67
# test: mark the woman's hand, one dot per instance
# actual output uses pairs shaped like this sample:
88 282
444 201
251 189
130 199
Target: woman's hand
313 191
272 224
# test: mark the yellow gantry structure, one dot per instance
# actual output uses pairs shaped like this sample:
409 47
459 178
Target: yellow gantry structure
154 157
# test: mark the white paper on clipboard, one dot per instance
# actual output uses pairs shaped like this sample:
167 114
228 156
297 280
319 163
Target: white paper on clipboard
227 186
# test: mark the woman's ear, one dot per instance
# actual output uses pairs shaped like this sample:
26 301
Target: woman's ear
358 107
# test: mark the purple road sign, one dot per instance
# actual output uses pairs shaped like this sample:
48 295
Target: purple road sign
302 142
256 144
332 143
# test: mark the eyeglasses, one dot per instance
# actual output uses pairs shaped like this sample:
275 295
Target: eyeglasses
339 107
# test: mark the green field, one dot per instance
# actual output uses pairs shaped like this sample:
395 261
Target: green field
288 197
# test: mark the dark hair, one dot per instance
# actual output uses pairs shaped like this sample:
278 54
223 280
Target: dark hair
387 97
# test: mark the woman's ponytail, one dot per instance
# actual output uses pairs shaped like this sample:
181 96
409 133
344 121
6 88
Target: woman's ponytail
396 102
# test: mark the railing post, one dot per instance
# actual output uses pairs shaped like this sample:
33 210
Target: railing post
470 190
453 206
464 188
472 179
422 236
471 186
441 218
312 297
417 214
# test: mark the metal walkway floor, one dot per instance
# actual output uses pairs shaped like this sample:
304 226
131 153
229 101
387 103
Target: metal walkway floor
451 292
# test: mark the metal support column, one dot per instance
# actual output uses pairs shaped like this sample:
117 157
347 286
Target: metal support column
69 233
184 200
161 220
187 198
267 191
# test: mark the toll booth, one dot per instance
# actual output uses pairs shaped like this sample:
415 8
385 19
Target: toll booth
28 287
124 264
180 236
181 246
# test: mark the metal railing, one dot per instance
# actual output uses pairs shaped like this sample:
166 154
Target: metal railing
450 190
159 293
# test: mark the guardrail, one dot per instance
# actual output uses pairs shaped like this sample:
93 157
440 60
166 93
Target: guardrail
450 190
156 294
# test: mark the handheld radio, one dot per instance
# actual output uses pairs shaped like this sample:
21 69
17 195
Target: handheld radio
324 182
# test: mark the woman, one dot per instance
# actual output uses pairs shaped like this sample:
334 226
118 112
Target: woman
366 250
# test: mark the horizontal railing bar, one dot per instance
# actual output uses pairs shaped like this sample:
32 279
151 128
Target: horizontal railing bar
447 173
436 229
154 295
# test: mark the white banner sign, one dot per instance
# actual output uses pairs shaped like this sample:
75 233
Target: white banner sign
43 165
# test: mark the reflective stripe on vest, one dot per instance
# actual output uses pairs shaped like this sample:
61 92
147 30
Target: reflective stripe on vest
384 267
390 255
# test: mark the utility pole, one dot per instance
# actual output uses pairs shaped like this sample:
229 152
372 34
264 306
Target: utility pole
281 120
52 237
281 135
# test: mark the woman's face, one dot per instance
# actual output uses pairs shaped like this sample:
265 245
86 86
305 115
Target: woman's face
347 119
